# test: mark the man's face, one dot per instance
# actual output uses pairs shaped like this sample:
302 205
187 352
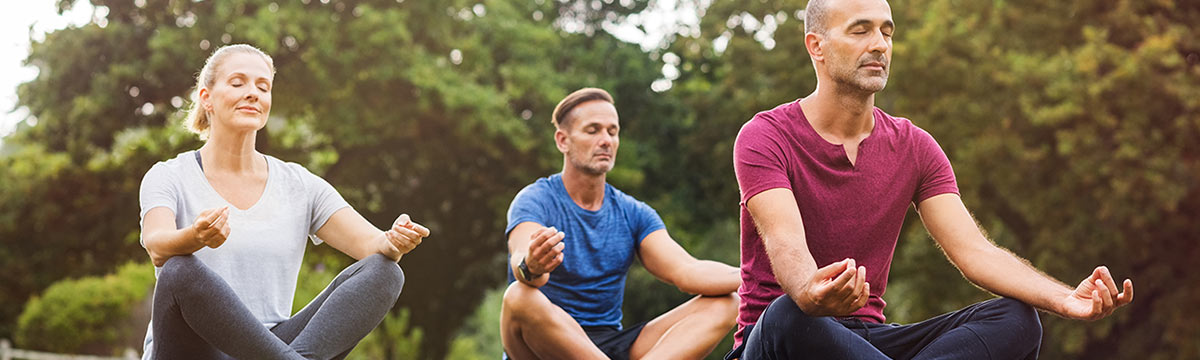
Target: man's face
858 44
589 139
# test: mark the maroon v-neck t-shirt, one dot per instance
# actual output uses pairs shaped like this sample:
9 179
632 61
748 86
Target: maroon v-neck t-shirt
849 210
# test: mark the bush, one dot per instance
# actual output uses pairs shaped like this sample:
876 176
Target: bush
90 314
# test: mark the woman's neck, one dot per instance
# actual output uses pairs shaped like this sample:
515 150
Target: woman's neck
232 153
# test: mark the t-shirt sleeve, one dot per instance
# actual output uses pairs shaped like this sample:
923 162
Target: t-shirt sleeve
528 206
936 175
160 188
758 159
645 220
324 200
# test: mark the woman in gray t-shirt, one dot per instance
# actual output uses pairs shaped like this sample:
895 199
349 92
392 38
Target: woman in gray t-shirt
226 226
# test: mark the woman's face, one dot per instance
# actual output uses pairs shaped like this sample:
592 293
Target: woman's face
240 98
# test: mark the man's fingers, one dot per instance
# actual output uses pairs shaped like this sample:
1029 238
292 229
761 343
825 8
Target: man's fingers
552 253
538 237
1097 305
552 240
1127 296
846 278
537 233
862 297
831 270
554 263
1106 277
866 294
860 278
1105 296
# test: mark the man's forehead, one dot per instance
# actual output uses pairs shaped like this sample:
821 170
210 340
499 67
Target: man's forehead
595 111
849 12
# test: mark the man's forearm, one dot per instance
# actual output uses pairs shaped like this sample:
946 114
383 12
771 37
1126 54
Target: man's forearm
1003 273
793 267
514 263
706 277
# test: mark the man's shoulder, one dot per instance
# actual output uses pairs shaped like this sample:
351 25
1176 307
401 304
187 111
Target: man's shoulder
780 113
540 191
771 123
902 130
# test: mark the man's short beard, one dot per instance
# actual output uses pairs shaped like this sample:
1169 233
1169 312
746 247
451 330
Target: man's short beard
589 169
850 77
865 84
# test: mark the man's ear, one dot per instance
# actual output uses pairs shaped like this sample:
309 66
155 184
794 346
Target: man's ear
560 139
813 43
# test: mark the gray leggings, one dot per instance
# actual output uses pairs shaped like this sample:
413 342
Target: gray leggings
197 316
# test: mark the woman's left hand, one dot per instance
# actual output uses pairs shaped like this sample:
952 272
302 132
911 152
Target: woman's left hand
404 236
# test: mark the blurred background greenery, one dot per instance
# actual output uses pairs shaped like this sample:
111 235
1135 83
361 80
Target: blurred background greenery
1072 127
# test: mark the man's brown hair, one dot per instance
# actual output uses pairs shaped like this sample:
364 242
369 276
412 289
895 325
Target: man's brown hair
561 117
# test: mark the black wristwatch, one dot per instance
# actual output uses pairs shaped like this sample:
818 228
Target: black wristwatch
525 273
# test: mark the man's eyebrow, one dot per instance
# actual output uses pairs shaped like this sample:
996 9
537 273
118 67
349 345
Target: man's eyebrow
886 23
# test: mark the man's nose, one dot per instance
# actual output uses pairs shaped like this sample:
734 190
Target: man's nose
879 42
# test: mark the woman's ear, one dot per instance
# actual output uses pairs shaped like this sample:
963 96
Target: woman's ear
204 103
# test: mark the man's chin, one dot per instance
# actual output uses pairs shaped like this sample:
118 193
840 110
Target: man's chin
598 170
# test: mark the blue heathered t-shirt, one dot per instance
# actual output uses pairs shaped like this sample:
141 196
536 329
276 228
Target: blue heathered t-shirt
600 246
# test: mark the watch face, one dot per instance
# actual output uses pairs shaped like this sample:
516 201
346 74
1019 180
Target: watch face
524 270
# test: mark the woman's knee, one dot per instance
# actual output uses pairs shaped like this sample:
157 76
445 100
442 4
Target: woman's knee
388 273
181 268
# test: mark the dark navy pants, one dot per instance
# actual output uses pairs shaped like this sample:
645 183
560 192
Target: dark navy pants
999 329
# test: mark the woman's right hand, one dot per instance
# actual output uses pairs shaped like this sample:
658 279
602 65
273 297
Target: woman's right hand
403 237
211 228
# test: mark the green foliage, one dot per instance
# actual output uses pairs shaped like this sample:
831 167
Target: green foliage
394 338
479 338
90 314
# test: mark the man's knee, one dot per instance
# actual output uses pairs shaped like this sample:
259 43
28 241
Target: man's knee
783 320
784 312
1021 318
519 298
724 308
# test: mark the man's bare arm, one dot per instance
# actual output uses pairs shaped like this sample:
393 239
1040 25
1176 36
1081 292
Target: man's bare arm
1003 273
835 290
669 262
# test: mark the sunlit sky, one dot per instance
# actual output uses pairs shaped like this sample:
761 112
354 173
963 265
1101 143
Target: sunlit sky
22 20
18 21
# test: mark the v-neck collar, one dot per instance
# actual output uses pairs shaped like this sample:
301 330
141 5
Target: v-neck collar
199 168
835 154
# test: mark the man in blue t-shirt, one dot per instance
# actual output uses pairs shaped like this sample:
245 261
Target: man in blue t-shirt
571 240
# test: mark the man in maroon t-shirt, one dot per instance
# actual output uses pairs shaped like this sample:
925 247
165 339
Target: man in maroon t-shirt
826 181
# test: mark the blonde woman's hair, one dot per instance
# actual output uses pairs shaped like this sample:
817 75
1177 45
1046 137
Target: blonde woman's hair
197 120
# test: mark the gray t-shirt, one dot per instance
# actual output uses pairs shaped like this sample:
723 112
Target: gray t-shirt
261 258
